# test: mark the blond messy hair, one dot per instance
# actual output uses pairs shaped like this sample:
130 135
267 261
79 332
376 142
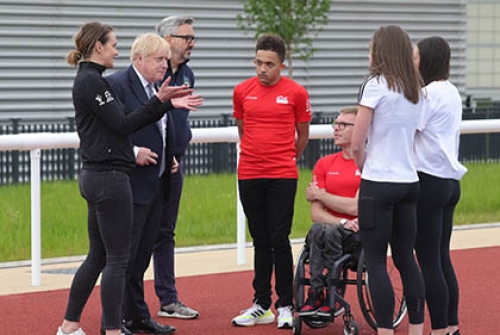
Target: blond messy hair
148 44
349 110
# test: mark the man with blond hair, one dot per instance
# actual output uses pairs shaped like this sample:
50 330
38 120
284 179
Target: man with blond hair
150 180
333 194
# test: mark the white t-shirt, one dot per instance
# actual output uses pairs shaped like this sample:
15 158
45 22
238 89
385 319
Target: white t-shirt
438 135
389 149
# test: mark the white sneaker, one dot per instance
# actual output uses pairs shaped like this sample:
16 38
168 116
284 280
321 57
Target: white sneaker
285 317
254 315
79 331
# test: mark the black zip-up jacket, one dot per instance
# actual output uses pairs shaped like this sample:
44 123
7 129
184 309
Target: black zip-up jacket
102 123
183 134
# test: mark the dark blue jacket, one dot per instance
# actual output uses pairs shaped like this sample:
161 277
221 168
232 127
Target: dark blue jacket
183 135
144 179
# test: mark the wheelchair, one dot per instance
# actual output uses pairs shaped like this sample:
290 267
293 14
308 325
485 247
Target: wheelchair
350 269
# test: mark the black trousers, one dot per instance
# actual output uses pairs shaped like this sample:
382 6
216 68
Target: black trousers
268 206
436 205
387 214
145 228
109 200
164 248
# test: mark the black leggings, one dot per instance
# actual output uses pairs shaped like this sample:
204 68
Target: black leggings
387 214
435 223
109 201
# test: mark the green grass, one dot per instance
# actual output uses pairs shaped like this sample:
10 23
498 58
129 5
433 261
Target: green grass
207 214
480 200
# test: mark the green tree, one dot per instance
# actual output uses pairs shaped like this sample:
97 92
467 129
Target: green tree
296 21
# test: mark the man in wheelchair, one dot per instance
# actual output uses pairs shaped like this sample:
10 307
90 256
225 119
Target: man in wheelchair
333 194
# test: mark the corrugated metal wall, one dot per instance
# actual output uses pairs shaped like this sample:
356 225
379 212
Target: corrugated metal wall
35 36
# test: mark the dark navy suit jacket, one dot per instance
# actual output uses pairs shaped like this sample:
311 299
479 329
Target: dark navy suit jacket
127 86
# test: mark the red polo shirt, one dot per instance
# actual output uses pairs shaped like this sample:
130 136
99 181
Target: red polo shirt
270 115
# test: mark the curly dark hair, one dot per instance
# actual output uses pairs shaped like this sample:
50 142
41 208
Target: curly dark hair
272 42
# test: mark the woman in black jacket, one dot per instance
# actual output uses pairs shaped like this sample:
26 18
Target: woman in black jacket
107 158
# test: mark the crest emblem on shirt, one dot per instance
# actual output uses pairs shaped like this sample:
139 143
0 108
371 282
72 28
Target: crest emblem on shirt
282 100
99 99
108 96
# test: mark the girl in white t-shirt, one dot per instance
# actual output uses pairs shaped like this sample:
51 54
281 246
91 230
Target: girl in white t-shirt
439 171
390 103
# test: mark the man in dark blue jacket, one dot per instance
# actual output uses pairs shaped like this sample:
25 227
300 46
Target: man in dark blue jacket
179 33
151 179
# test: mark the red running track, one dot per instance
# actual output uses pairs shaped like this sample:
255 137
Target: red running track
220 297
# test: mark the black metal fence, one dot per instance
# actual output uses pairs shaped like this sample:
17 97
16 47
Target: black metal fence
205 158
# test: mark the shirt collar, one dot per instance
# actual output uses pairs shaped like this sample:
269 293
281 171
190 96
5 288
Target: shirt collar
143 80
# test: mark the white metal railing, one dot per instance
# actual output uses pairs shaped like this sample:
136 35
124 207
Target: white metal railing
35 142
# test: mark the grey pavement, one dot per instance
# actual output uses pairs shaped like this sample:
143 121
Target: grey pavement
58 273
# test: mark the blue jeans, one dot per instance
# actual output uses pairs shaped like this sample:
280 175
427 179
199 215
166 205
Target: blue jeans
109 200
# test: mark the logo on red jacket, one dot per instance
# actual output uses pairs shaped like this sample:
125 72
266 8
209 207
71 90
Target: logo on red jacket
282 100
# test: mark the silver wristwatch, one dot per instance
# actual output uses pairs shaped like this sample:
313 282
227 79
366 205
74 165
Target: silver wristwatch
343 222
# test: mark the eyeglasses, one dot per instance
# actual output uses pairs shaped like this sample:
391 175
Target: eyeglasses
187 38
341 125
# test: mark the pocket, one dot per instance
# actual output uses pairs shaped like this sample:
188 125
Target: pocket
366 213
92 185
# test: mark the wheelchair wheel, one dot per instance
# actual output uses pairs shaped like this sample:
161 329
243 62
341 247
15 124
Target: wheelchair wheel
297 326
351 328
363 288
300 281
